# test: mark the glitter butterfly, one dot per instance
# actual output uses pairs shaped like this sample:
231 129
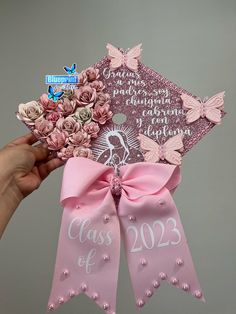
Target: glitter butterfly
71 70
129 58
167 151
54 95
211 109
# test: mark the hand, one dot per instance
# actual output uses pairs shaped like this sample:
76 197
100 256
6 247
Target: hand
27 165
23 167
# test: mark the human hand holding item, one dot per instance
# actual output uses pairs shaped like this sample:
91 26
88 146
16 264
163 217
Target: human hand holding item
23 167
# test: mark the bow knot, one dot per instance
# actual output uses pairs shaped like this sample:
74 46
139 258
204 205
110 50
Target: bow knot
115 183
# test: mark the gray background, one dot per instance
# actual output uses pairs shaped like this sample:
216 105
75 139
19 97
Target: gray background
190 42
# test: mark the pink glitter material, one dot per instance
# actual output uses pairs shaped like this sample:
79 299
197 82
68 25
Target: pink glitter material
152 106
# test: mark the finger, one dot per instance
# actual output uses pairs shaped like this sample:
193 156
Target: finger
25 139
40 152
46 168
45 145
52 155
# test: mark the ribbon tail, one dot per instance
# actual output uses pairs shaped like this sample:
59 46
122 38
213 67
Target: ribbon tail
156 246
88 253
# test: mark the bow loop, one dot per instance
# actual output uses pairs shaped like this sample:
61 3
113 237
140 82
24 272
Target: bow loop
83 182
140 179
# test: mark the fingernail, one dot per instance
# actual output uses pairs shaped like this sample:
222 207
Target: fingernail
45 145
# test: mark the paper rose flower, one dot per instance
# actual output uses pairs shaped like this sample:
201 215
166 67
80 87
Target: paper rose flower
83 115
30 112
47 104
103 99
102 113
53 116
83 80
83 152
68 93
68 125
92 129
66 152
43 128
98 85
67 106
92 74
57 139
80 138
86 96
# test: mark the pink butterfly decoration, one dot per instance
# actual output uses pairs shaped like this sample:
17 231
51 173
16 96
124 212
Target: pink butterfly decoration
129 58
211 109
167 151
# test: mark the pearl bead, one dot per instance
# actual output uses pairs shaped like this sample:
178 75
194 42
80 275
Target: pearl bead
143 262
179 262
61 300
84 287
185 286
198 294
148 293
155 284
174 281
95 296
106 257
140 303
163 276
106 218
77 206
132 218
71 293
161 202
65 272
51 307
105 306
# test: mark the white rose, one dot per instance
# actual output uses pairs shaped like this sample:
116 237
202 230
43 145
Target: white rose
29 112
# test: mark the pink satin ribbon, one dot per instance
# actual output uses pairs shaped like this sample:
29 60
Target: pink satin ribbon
99 207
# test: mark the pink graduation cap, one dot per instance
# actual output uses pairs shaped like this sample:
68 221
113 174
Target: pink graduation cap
123 130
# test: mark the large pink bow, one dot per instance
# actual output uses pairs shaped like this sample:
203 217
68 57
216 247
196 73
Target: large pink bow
96 203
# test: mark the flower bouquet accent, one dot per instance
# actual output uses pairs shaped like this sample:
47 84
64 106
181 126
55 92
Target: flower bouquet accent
69 124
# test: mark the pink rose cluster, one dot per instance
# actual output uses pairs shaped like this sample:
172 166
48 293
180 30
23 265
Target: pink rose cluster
70 124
